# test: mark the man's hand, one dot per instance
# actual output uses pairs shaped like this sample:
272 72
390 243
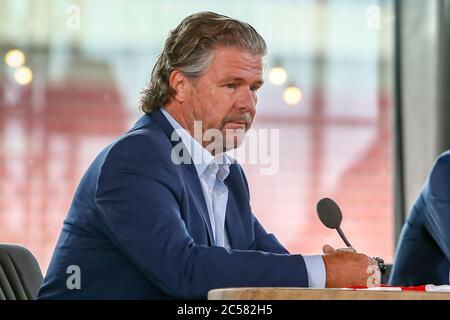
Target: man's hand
345 267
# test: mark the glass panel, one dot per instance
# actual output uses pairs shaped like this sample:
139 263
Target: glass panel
75 89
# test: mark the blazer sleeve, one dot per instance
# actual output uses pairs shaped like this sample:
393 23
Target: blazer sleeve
437 202
423 252
138 197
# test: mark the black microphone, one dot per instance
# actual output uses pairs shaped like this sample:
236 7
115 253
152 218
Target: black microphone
331 216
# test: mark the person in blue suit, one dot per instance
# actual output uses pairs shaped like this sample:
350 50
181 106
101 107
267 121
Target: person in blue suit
163 212
423 253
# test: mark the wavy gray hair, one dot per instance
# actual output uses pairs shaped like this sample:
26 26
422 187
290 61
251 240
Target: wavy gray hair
190 47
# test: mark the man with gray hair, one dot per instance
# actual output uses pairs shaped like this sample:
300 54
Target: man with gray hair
163 212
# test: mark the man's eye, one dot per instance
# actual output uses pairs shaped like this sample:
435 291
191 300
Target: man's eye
254 88
231 85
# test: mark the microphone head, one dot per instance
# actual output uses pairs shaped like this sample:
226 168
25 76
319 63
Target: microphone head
329 213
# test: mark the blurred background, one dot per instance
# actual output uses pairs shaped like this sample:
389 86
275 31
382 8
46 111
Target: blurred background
70 77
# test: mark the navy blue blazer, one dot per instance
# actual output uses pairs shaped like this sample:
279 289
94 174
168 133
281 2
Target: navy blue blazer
138 228
423 253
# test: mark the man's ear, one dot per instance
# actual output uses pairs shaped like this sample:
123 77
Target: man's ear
178 82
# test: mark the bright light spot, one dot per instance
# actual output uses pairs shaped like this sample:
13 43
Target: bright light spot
15 58
23 76
292 95
277 76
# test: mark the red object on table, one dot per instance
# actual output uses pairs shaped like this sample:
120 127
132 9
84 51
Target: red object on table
411 288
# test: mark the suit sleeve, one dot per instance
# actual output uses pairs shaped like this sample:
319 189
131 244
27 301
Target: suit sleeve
138 199
437 201
423 251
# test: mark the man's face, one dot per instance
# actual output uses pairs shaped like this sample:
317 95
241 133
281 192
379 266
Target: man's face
224 97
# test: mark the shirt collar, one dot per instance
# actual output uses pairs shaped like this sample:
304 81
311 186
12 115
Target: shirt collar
201 157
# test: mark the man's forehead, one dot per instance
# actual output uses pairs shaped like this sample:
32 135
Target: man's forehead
238 64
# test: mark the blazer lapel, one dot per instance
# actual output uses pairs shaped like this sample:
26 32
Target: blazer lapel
193 180
233 220
198 196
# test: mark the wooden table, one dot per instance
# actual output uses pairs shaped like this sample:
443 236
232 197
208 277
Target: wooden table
320 294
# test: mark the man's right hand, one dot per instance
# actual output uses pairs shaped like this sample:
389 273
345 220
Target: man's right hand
345 267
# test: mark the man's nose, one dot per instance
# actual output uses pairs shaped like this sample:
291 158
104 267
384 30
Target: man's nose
247 101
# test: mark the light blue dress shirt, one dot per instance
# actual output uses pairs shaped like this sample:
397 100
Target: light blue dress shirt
212 171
